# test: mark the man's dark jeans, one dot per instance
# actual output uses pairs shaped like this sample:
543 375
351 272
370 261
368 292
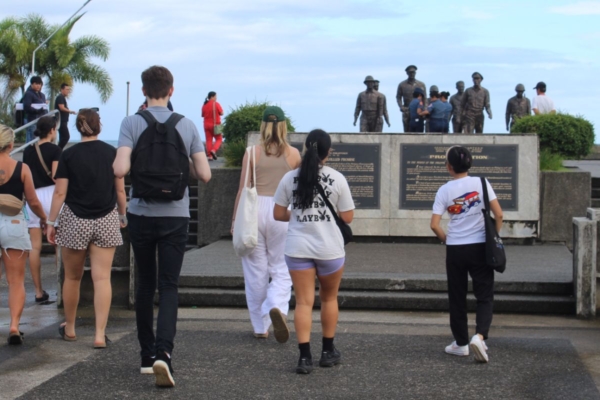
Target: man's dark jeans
63 134
169 235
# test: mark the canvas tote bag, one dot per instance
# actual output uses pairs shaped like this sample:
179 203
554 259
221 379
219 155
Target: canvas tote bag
245 226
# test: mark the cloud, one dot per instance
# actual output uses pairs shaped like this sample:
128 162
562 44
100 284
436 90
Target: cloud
580 8
471 13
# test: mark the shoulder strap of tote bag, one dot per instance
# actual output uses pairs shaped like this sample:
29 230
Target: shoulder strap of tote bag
250 152
486 199
326 200
39 153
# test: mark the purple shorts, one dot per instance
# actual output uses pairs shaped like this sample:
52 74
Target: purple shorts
324 267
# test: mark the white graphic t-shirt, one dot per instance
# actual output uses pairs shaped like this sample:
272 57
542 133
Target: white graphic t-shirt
463 200
313 233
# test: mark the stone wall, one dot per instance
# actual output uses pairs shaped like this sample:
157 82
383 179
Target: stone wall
564 195
216 200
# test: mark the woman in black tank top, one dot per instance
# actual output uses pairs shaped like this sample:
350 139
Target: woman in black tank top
17 183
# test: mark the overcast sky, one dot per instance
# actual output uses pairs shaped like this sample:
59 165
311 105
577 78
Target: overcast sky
310 57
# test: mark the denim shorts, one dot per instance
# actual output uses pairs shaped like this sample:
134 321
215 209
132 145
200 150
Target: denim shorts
14 233
324 267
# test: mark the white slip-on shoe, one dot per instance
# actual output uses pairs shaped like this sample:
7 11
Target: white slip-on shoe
457 350
280 328
479 349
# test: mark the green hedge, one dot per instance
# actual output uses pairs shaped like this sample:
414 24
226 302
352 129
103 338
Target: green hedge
569 136
246 118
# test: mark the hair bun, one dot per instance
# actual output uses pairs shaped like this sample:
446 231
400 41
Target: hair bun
37 133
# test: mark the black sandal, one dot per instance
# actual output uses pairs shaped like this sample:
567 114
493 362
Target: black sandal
63 334
103 345
42 299
16 338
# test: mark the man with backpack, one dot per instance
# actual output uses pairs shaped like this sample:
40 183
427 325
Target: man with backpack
156 145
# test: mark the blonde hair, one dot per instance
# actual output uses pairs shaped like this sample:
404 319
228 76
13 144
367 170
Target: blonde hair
273 135
7 137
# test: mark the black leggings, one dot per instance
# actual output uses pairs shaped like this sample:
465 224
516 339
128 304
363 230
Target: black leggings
461 261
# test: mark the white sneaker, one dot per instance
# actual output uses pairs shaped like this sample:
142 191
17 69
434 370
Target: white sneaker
457 350
479 349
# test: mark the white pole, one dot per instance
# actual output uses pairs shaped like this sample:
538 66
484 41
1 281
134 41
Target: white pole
127 114
49 37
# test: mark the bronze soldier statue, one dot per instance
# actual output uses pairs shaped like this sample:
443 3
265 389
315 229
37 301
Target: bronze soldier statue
517 107
370 107
404 95
385 111
474 101
455 100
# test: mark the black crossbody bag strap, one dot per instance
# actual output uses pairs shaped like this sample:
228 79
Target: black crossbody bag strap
326 200
486 199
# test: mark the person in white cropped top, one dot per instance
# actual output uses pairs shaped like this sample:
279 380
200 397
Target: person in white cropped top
463 199
267 280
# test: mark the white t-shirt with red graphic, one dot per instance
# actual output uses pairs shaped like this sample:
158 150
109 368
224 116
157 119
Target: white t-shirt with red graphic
463 200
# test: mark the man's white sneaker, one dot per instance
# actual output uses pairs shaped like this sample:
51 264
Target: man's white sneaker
479 349
457 350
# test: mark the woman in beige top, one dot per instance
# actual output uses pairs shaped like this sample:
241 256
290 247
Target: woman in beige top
268 302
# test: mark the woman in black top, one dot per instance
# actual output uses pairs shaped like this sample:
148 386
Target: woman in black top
43 180
15 183
89 190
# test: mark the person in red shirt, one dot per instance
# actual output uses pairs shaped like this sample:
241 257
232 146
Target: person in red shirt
211 112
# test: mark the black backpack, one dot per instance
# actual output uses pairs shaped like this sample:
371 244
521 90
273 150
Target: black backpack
160 166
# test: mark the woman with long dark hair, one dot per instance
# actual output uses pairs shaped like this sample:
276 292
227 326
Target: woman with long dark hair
212 112
462 198
42 158
314 244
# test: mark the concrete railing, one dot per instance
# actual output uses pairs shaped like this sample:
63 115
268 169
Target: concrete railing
585 262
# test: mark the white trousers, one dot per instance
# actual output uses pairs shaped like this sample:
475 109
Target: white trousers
267 261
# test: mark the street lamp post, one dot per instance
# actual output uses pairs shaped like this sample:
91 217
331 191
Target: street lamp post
49 37
127 114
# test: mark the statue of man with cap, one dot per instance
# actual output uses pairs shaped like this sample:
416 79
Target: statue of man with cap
474 101
385 111
455 100
404 95
369 106
517 107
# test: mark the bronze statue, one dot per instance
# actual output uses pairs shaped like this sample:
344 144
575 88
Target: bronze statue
385 111
517 107
404 95
370 107
474 101
455 100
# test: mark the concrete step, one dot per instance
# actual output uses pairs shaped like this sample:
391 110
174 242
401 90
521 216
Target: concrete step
392 285
595 193
193 239
595 203
595 183
508 303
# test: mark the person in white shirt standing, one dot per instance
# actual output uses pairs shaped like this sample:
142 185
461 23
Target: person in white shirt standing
541 103
462 198
314 245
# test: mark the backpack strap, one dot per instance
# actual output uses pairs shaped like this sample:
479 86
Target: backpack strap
147 115
173 120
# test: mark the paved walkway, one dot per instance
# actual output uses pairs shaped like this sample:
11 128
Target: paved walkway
538 263
593 166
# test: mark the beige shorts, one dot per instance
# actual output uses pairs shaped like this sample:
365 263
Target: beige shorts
77 233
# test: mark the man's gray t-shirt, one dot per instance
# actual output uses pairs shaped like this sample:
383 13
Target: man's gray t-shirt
131 130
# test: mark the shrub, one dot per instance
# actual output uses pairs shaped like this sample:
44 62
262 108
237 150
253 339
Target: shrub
241 120
246 118
569 136
550 161
233 151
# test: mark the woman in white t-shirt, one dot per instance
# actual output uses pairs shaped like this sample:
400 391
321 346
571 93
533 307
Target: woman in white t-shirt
314 245
462 198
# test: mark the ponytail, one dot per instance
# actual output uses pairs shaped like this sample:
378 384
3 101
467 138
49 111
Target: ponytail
209 96
317 146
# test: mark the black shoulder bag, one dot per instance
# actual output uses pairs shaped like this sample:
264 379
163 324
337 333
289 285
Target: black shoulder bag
495 256
344 227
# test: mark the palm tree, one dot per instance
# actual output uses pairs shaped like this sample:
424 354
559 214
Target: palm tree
59 60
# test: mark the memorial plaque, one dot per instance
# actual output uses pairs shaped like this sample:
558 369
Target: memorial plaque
361 166
423 171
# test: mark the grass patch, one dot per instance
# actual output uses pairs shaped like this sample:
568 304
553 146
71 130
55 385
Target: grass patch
234 151
550 161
